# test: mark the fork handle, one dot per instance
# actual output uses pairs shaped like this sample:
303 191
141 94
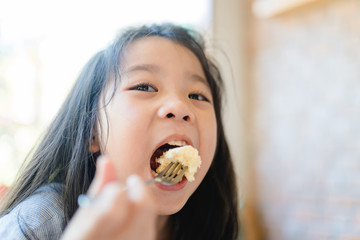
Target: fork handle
152 180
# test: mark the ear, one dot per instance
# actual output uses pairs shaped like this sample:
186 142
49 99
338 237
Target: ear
95 143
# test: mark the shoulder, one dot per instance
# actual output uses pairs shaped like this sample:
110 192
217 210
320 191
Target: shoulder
40 216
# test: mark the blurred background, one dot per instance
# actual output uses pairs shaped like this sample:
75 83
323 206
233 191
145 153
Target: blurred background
292 112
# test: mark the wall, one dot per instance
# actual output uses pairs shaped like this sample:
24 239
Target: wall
306 73
229 47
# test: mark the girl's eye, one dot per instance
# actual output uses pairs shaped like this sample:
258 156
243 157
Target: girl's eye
144 87
198 97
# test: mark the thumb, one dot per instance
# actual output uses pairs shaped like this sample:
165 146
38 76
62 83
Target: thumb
105 173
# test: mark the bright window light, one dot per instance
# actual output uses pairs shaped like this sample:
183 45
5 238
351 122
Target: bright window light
43 46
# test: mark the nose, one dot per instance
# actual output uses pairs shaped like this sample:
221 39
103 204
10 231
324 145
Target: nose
176 109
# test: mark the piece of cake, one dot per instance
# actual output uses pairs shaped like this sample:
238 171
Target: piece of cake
186 155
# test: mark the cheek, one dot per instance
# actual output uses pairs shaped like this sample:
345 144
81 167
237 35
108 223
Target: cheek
118 150
123 136
127 155
208 145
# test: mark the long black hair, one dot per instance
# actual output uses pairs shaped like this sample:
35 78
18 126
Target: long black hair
63 153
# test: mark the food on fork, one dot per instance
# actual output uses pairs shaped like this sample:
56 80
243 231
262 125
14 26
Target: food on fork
186 155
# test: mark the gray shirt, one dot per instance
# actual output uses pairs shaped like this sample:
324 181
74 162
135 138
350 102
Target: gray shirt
40 216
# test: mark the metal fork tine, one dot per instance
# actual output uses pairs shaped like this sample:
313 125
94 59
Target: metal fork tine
170 175
175 171
171 170
165 170
179 176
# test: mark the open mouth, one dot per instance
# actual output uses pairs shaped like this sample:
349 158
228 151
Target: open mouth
160 151
176 152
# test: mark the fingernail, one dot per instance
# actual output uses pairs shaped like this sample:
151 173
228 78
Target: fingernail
135 188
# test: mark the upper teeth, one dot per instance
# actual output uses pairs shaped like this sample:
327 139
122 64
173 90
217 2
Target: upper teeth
177 143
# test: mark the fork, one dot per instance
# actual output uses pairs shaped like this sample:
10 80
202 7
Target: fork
172 174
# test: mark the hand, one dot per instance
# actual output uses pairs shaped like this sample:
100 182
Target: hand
114 213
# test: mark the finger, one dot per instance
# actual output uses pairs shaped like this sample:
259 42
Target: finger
105 173
135 188
117 213
143 215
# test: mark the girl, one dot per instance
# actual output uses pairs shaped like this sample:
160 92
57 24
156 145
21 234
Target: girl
154 85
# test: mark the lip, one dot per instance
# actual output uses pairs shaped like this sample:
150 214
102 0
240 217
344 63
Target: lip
176 187
170 138
175 137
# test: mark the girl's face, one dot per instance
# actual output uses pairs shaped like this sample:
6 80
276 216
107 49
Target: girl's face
163 96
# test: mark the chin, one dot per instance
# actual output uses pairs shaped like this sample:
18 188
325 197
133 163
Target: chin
169 210
170 206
